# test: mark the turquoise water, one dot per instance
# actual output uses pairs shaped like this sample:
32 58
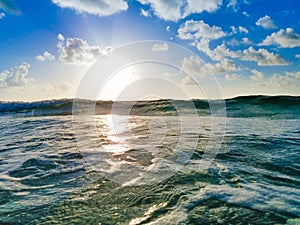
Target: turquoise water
46 177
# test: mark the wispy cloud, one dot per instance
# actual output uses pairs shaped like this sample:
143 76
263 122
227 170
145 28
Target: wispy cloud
188 81
9 6
235 4
257 75
160 47
246 14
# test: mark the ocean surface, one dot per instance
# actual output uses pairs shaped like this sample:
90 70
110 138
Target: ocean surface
153 166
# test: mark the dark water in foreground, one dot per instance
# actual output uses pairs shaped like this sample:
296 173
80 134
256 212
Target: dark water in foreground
46 176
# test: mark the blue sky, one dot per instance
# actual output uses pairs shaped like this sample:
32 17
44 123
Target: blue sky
46 46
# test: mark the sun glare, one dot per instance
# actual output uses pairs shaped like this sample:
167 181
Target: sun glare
116 83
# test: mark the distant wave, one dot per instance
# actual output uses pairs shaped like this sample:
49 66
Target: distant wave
254 106
48 107
245 106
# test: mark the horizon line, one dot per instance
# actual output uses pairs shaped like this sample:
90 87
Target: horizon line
149 100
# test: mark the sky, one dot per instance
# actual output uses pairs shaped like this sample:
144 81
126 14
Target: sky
250 47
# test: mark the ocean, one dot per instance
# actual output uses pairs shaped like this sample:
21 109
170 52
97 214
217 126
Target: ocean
156 165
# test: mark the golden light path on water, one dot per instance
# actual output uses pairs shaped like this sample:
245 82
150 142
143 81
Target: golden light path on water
138 149
113 126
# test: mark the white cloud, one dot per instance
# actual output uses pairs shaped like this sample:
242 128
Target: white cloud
284 38
198 6
168 28
196 30
282 81
164 9
287 13
234 42
160 47
233 29
15 76
2 15
194 66
295 75
54 88
246 14
257 75
233 4
246 41
266 22
145 13
201 34
219 53
78 51
46 56
40 58
95 7
62 87
243 30
60 37
178 9
222 51
297 56
263 57
203 45
232 76
226 65
188 81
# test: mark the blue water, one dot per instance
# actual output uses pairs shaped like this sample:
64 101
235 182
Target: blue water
48 175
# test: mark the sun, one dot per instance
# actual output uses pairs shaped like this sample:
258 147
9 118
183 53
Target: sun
117 83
